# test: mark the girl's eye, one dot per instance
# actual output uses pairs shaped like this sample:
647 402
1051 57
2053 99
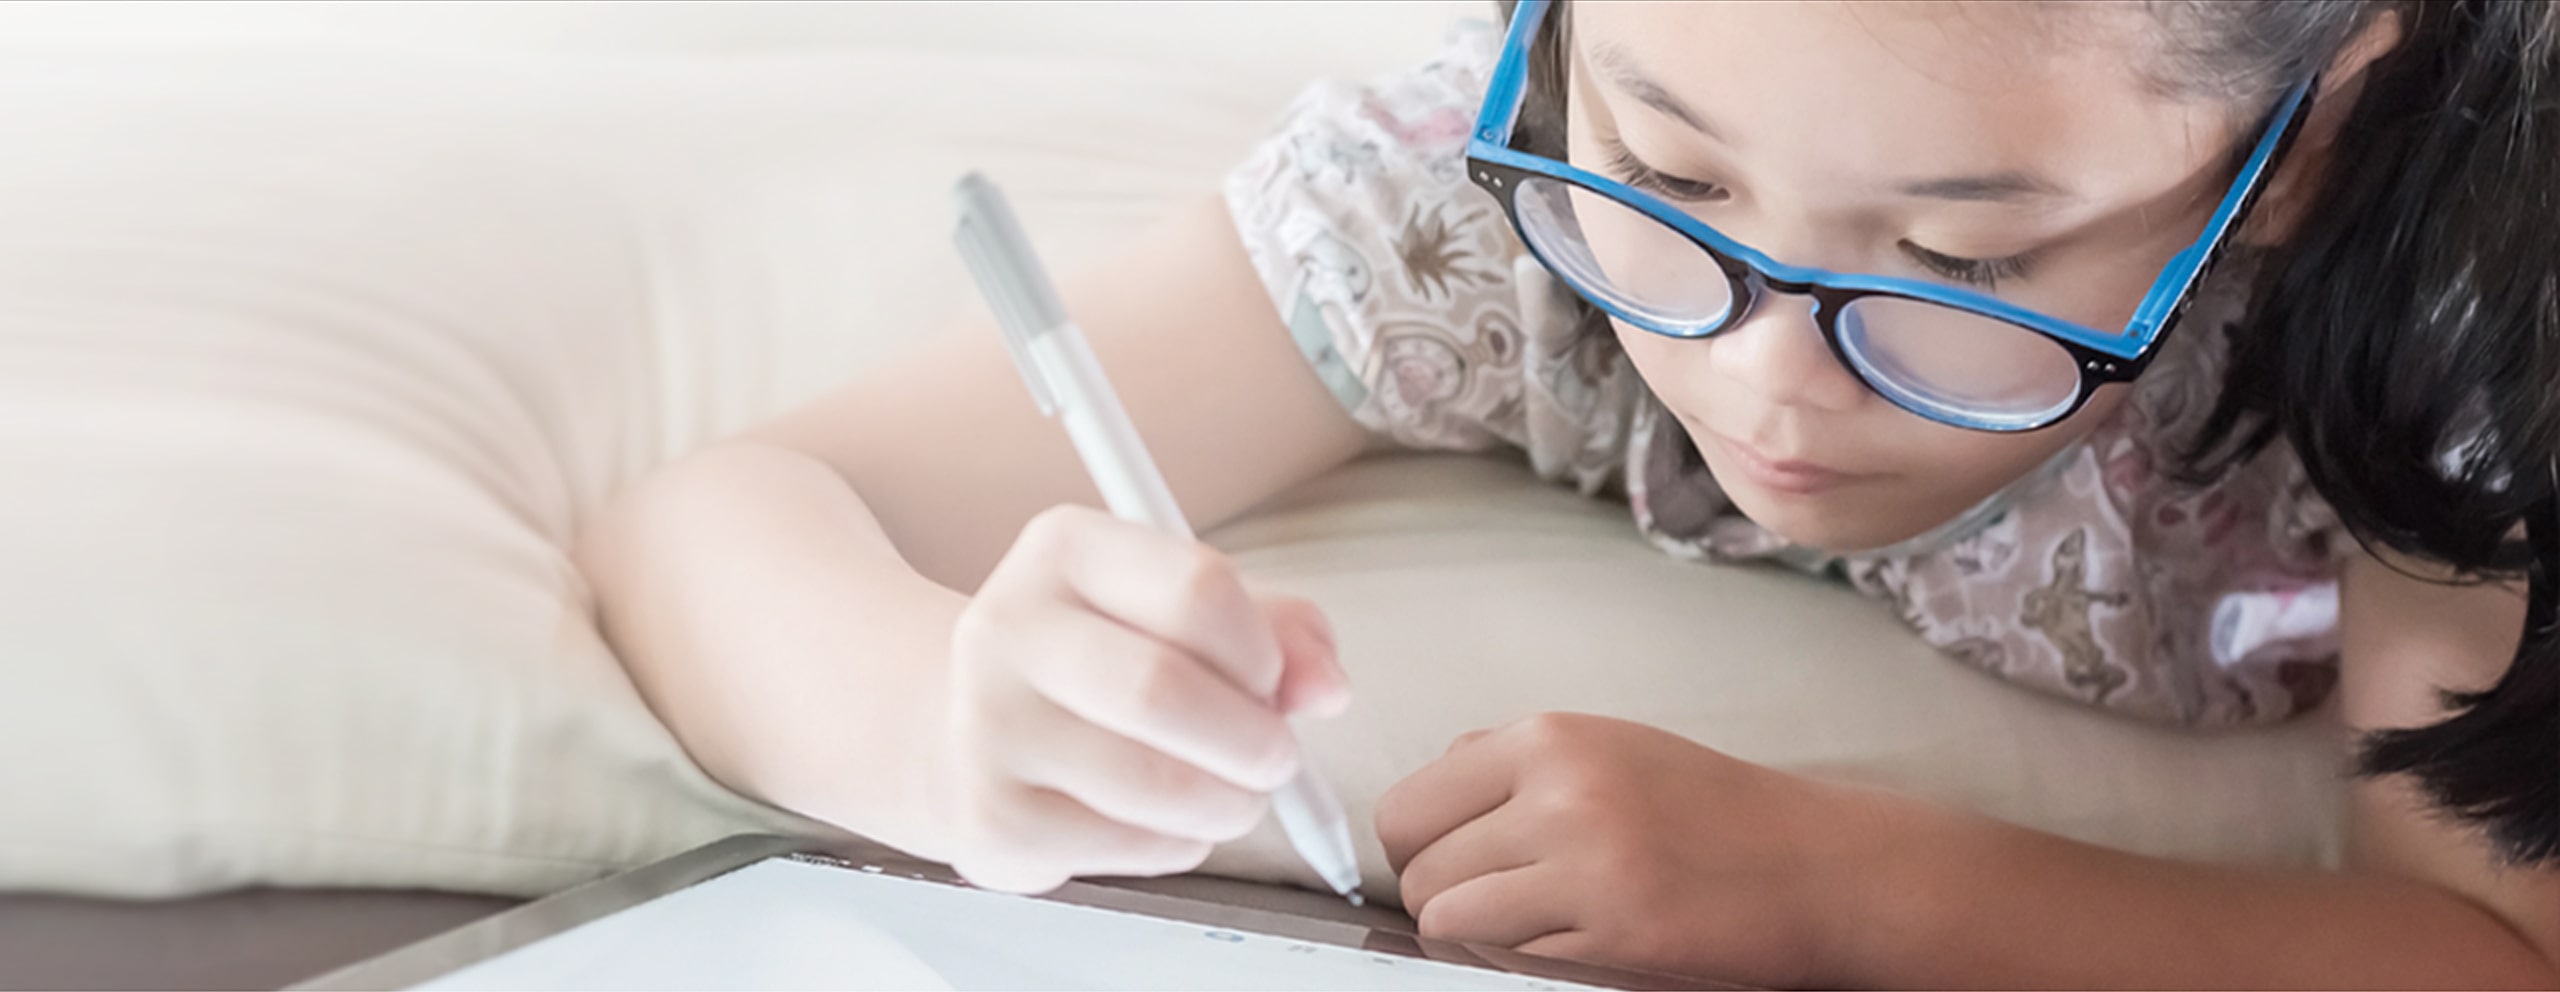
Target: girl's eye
1634 172
1984 272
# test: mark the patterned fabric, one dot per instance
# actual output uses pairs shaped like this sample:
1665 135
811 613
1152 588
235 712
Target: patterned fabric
2097 578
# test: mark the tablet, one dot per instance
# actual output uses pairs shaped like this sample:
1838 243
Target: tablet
775 913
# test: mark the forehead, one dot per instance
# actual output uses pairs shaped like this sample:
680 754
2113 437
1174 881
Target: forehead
1860 91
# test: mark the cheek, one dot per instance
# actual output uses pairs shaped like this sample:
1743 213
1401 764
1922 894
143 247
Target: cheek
1957 468
1676 371
1655 357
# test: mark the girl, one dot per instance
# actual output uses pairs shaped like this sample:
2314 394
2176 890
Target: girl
2039 322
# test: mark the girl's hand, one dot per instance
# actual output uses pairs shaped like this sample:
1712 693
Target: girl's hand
1600 840
1118 704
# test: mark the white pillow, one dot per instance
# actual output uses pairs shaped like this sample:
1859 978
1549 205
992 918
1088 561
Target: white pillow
307 374
312 361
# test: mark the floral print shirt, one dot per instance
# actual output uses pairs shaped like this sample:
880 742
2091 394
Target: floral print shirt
2098 578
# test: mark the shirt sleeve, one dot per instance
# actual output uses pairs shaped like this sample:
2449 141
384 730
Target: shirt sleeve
1394 275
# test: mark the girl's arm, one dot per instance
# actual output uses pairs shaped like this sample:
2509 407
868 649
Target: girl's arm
2423 901
787 600
1594 838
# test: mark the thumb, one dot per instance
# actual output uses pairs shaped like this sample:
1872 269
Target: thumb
1312 682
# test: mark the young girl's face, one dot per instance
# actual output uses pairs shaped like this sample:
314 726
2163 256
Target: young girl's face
2015 149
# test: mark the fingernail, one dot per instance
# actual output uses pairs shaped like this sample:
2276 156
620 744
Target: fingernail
1338 698
1331 702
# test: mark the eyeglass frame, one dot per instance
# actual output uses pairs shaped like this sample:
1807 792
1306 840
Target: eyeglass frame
2101 357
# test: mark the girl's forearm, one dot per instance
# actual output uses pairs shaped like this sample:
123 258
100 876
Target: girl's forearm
1970 902
771 624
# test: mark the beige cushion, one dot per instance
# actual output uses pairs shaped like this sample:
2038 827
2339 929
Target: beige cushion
312 360
1468 593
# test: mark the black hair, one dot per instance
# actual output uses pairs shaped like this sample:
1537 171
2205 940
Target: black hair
2405 341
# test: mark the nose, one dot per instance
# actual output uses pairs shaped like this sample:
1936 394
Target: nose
1777 353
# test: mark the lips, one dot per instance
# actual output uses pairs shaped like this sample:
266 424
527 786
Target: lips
1800 478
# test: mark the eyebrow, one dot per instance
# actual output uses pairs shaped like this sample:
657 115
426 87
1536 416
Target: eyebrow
1996 187
1619 65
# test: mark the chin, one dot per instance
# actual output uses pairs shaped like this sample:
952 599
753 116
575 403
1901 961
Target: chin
1835 522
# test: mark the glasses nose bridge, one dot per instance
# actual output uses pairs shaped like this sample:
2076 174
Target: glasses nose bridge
1756 287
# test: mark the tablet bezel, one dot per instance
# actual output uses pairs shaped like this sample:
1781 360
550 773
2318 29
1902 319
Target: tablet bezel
480 941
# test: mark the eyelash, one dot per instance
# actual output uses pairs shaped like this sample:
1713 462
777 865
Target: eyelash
1986 273
1655 181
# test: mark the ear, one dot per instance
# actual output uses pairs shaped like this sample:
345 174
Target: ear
2290 191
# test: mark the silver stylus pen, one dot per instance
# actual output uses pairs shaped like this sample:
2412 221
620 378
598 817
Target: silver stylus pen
1066 381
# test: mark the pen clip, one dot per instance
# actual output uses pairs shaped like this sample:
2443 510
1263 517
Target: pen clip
1010 277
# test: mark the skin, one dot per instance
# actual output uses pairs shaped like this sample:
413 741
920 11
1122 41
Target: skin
894 609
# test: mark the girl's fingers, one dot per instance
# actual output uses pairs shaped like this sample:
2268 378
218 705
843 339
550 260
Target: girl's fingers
1468 782
1515 908
1487 845
1564 945
1176 589
1157 695
1038 838
1130 782
1312 682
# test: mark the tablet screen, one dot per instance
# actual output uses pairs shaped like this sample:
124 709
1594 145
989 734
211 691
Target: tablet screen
792 924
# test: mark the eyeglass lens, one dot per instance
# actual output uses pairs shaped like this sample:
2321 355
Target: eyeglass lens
1940 362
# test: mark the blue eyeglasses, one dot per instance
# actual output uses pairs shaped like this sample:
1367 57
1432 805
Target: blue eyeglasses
1945 353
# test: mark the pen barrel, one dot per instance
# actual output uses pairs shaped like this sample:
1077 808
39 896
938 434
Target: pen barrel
1316 827
1104 436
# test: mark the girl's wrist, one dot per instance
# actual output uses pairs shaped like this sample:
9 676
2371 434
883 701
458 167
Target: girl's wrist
1890 885
891 779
